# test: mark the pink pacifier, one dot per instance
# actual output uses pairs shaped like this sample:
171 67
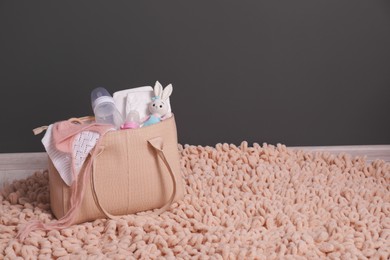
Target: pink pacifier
132 120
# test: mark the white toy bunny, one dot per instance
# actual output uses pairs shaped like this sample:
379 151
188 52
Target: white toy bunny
158 108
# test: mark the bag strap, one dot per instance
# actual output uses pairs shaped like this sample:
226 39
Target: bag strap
157 143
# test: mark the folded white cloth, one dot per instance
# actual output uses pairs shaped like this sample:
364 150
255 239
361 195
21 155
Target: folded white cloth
135 99
139 97
62 161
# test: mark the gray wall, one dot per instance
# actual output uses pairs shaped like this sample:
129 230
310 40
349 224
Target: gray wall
293 72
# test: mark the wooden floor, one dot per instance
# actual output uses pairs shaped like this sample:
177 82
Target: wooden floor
14 166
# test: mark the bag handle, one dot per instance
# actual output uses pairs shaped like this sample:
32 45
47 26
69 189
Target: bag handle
157 143
76 120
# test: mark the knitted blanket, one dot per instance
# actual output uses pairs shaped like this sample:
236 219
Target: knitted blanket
259 202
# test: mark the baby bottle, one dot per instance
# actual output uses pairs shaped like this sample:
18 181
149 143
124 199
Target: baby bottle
104 108
132 120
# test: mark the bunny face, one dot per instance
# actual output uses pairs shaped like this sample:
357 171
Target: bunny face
159 104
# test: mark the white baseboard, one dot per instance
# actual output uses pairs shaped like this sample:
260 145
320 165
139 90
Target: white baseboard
16 166
371 152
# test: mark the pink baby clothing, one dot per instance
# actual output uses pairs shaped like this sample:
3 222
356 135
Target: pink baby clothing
63 138
64 133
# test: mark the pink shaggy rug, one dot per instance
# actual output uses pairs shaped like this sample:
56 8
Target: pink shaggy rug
260 202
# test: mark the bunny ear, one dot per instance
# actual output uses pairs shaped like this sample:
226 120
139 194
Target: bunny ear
158 89
167 92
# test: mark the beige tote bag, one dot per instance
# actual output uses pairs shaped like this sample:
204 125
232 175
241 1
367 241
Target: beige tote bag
135 170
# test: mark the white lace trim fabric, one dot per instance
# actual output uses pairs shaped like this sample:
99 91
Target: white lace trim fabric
83 143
